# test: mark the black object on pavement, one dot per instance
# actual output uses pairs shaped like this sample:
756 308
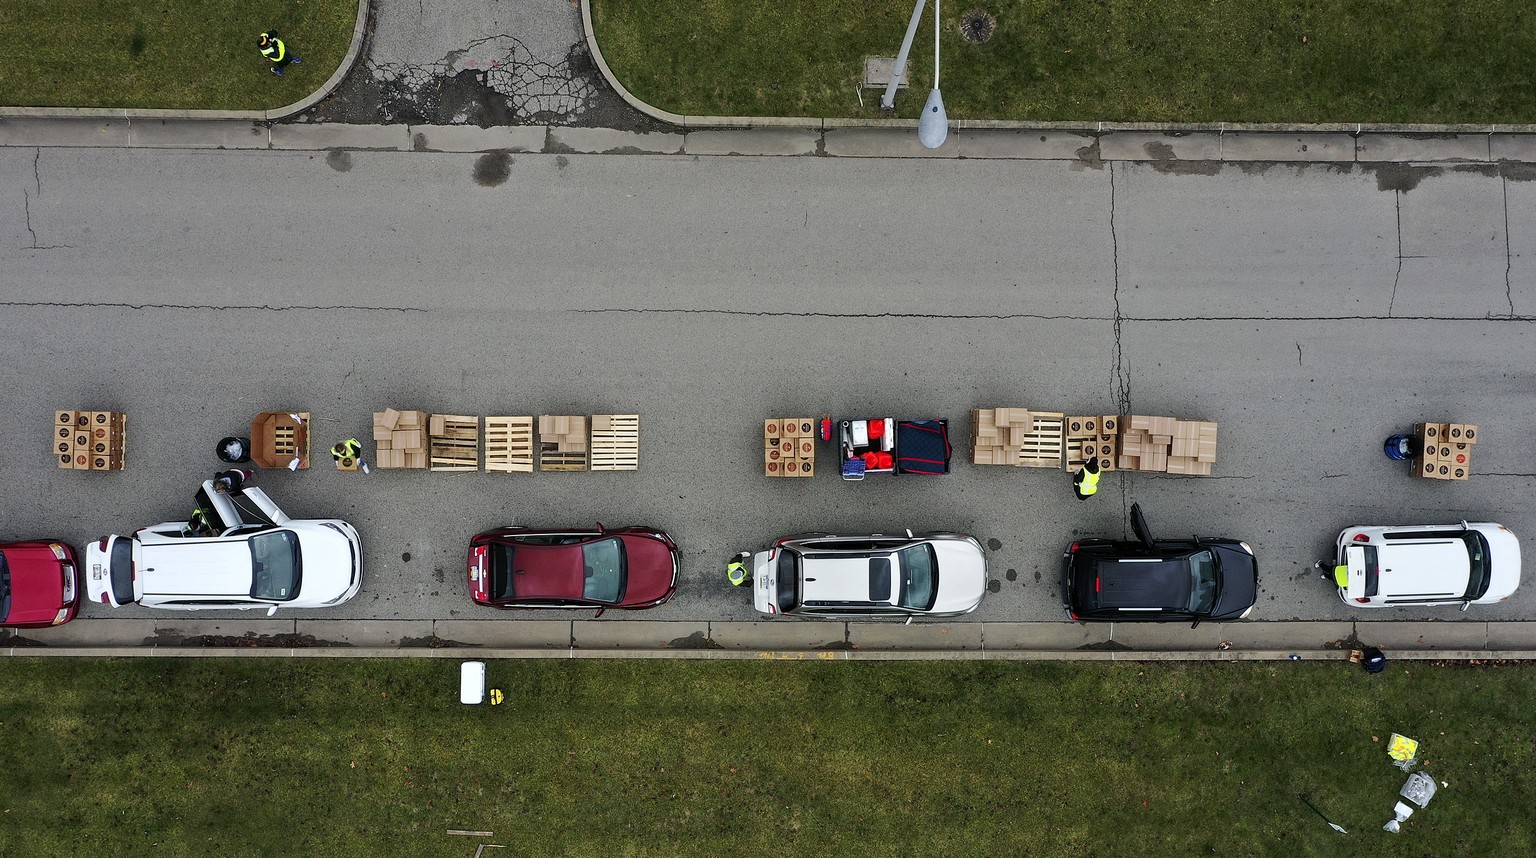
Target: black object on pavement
234 450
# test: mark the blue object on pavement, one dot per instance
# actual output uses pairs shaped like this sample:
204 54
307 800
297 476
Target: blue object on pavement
1400 447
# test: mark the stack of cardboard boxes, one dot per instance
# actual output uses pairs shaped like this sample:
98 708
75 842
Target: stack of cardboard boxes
1445 450
1017 437
401 438
454 440
90 440
1168 445
1093 437
562 443
789 447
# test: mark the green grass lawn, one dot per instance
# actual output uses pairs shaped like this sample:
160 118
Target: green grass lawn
248 757
1433 61
189 54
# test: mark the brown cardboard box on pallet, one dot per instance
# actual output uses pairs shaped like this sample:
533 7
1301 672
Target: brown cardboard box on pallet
401 439
1429 432
1109 425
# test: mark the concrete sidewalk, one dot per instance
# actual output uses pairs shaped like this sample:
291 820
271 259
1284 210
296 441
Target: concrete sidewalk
585 638
1170 151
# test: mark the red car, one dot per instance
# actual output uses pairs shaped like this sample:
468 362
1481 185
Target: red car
39 584
519 567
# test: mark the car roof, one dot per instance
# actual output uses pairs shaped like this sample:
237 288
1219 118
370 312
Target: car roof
845 578
1427 567
199 567
1127 582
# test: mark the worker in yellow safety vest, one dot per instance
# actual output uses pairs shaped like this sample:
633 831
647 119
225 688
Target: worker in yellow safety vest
1086 482
273 49
736 571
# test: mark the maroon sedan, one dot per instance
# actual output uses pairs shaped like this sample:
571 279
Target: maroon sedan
39 584
519 567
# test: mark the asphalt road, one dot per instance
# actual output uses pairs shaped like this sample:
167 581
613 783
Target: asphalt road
1310 310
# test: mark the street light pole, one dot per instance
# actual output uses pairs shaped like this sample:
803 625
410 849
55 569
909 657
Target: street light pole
889 100
933 126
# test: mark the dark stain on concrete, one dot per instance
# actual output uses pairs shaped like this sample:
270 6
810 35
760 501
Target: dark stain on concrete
1105 646
1517 171
1400 177
840 645
1088 156
493 168
697 640
561 162
1011 574
439 574
339 160
18 640
1164 162
419 142
432 642
1037 576
250 640
994 586
994 544
406 557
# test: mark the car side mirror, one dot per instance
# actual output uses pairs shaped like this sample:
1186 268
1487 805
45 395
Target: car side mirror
1195 624
599 613
1465 605
272 610
909 620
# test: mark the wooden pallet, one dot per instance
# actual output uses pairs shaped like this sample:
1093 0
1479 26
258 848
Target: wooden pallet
615 442
509 445
454 442
1044 446
551 458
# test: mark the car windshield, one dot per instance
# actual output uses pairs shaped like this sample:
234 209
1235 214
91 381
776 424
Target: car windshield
1477 555
501 571
1203 583
604 570
919 577
788 576
275 566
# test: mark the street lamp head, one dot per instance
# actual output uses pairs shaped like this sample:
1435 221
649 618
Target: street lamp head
933 126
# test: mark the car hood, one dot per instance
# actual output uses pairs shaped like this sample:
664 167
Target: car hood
962 576
649 569
1504 564
327 557
1239 582
37 584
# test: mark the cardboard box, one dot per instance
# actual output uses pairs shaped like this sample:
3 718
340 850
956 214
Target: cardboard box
1127 462
65 419
1160 440
983 455
1200 469
773 455
1184 448
1179 464
771 430
773 469
382 434
388 418
1457 454
1109 425
1185 430
1469 433
1154 460
416 459
1429 431
1106 450
1460 472
1205 451
807 467
1107 465
407 439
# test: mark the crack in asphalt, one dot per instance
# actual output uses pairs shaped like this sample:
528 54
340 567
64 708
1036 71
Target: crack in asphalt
1509 292
1120 381
532 86
263 307
1397 197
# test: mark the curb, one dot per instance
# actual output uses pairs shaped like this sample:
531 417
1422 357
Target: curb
482 654
354 50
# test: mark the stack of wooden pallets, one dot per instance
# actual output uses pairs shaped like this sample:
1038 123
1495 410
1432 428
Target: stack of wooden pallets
562 443
454 442
615 442
90 440
509 444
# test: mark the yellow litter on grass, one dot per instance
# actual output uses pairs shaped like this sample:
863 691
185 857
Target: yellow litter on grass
1402 748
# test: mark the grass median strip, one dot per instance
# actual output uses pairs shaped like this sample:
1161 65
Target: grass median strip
183 54
354 757
1399 61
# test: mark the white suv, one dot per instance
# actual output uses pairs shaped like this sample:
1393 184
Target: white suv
242 559
857 577
1437 564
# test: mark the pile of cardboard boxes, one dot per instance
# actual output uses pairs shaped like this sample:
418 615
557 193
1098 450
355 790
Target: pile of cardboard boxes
562 443
90 440
401 438
1092 437
1017 437
1445 450
789 447
1167 445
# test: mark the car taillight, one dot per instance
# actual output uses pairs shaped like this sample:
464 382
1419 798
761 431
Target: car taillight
105 599
1096 585
102 544
1360 537
1073 548
1363 601
1072 614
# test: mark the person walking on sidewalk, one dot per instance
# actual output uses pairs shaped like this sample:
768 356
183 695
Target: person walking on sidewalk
273 49
1086 483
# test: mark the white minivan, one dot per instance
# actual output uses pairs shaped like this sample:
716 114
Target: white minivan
244 553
